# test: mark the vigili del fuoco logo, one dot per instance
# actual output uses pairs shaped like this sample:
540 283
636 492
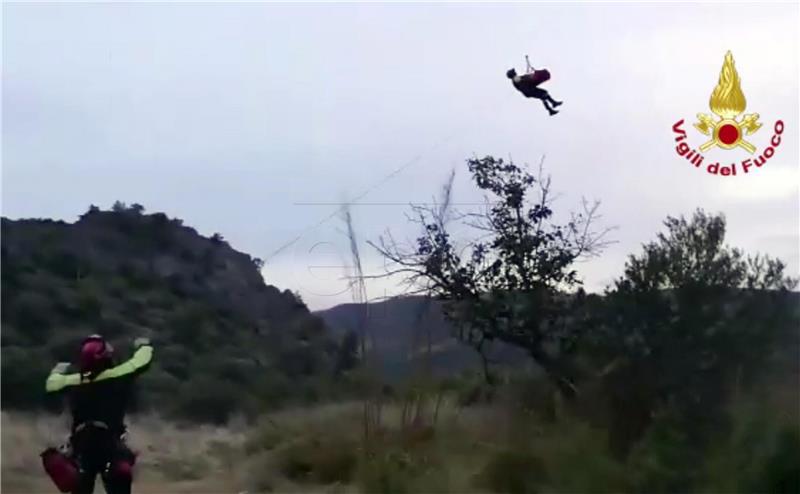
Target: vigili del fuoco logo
730 129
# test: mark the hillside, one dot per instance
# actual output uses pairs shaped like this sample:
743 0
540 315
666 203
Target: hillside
404 328
123 273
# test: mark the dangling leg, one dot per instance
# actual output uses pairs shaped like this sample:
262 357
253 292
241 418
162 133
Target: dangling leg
553 102
118 478
550 99
545 98
548 107
85 482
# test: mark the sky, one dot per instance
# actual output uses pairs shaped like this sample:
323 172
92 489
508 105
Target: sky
258 120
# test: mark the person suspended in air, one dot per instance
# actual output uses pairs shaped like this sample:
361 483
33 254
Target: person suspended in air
528 85
99 392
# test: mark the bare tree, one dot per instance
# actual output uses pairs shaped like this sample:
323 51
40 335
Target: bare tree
509 282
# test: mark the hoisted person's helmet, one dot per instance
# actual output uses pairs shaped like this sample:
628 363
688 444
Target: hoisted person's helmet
95 355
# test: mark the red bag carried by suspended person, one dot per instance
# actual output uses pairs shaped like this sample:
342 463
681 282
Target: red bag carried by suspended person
539 76
61 469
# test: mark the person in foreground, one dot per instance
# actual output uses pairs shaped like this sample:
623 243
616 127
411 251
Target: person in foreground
98 395
528 85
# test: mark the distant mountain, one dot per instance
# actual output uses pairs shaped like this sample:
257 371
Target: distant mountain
404 328
225 339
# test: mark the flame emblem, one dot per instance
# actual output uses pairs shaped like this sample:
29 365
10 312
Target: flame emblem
728 102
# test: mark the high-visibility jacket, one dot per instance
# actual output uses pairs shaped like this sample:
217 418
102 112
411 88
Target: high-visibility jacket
103 398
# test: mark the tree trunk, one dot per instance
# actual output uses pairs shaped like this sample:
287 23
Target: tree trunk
487 373
558 372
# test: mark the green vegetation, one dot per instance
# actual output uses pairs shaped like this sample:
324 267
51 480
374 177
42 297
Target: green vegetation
227 343
682 377
657 362
499 448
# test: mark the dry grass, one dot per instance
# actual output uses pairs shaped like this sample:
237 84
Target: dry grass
488 448
401 457
172 459
317 449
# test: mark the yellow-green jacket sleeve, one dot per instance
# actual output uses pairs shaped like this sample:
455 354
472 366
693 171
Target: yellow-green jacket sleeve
140 360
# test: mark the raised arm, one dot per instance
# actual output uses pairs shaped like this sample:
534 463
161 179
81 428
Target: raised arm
57 377
138 363
528 63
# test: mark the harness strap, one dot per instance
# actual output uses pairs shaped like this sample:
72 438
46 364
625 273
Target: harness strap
93 423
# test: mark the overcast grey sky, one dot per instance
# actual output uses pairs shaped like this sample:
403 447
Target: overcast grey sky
227 116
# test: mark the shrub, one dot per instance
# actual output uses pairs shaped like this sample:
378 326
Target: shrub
23 376
11 336
64 347
175 360
471 389
261 474
762 453
88 304
233 371
66 265
664 461
136 276
273 389
299 360
577 458
189 326
31 313
386 473
207 400
154 387
781 471
513 472
403 461
227 455
112 326
324 460
535 395
194 467
117 286
265 437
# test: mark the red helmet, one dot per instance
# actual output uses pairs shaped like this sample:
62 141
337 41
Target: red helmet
95 355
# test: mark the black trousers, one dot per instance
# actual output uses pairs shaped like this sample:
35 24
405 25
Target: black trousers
113 484
105 454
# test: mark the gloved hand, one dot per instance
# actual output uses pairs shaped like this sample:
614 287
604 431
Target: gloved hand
60 368
140 342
